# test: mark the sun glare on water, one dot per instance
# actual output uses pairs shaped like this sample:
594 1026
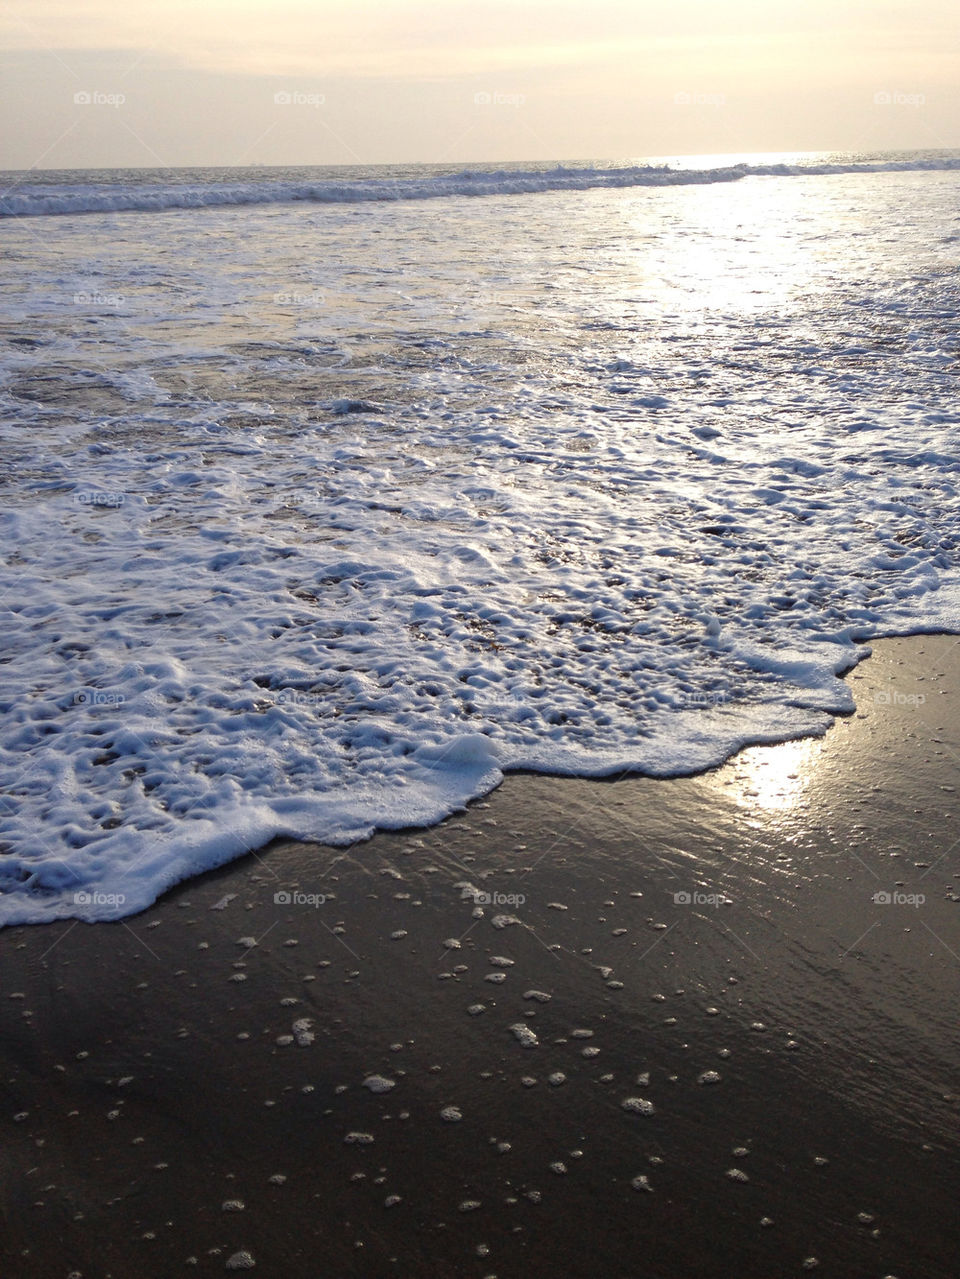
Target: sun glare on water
775 778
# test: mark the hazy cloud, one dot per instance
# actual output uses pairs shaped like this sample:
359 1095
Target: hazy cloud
400 79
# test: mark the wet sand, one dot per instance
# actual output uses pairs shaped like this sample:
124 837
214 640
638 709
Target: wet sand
768 955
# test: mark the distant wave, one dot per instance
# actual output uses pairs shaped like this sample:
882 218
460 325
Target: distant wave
51 201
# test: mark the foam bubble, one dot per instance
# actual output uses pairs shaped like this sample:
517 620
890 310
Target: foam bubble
638 1106
378 1083
524 1035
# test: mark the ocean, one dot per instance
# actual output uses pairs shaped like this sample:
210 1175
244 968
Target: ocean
331 495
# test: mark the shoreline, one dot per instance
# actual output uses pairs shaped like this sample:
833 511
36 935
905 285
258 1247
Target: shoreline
107 913
158 1060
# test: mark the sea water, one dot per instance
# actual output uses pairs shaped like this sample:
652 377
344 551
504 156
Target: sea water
330 495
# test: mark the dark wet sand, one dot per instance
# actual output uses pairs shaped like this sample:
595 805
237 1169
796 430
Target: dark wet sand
830 1017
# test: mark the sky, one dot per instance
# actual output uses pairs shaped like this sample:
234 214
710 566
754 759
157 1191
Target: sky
105 84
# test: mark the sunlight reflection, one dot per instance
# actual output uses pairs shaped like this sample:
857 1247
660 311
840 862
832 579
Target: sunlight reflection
736 258
719 159
775 778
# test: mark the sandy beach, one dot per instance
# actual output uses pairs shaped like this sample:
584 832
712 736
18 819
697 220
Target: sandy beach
457 819
646 1029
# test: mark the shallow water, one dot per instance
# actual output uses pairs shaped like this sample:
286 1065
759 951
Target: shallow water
319 517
